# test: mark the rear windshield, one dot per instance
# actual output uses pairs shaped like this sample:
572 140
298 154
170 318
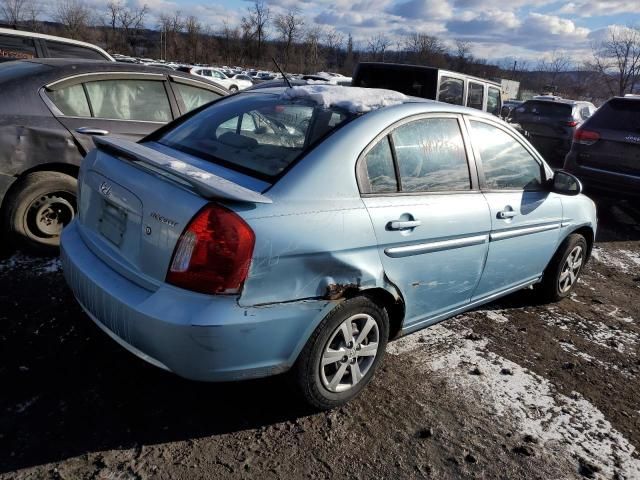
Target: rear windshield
256 133
618 114
546 109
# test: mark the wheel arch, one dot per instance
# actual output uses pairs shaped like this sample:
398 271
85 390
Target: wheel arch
587 232
383 298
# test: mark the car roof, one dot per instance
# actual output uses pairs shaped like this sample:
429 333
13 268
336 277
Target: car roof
564 101
53 38
61 68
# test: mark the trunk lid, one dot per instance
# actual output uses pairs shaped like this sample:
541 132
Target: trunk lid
136 201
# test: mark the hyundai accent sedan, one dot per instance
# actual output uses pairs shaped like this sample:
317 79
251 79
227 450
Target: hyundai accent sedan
300 229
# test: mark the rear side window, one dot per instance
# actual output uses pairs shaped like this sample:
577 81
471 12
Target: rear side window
618 114
142 100
380 170
68 50
505 162
431 156
16 48
475 95
193 97
451 90
494 104
71 101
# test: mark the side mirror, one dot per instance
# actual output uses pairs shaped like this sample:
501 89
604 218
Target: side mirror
566 184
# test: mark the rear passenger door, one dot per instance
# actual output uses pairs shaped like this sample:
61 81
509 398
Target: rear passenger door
419 185
124 106
525 216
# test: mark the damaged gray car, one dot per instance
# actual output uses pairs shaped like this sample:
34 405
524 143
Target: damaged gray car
50 111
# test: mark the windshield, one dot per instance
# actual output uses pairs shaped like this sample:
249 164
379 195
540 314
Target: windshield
260 134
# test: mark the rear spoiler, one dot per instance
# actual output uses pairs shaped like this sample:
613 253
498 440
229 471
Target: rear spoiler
202 182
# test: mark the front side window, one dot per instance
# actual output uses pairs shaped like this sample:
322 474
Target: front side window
141 100
193 97
451 90
260 134
475 95
380 170
16 48
431 156
71 101
505 162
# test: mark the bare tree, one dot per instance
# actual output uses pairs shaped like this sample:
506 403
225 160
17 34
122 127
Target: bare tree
14 12
425 49
334 41
172 24
377 46
254 25
289 25
463 55
193 29
74 15
617 59
553 66
230 41
312 49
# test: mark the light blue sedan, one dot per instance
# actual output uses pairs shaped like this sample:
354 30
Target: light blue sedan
301 229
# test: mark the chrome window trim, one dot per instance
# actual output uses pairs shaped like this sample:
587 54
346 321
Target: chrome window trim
96 76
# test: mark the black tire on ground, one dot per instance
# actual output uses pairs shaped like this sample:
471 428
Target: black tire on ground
38 206
551 289
307 371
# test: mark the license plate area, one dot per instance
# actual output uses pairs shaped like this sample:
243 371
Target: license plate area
112 223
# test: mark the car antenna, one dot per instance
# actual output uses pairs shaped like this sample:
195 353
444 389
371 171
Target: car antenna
281 72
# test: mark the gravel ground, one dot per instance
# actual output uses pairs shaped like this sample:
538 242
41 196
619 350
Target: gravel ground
512 390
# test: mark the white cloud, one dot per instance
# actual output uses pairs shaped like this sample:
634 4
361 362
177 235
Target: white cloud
591 8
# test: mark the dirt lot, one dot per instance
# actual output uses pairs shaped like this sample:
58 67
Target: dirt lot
513 390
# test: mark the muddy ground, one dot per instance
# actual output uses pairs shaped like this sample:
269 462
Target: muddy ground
512 390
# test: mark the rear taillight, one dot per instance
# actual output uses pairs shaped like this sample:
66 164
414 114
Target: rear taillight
585 137
214 252
570 123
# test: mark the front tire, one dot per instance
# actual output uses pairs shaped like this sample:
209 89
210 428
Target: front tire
561 275
343 353
38 208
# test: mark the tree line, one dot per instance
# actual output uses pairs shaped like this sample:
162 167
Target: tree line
301 46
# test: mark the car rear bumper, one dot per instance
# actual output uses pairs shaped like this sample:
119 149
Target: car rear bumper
200 337
619 184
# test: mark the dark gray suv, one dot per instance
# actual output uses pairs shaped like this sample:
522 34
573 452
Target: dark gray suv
550 124
605 153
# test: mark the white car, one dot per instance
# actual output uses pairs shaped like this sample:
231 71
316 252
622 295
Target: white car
217 76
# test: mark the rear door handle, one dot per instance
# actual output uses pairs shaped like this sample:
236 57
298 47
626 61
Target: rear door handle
403 224
92 131
504 214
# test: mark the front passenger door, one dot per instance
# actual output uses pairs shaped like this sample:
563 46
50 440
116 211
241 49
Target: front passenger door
525 216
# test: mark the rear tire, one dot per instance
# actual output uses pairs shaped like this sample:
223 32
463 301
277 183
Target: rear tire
233 89
342 354
39 206
561 275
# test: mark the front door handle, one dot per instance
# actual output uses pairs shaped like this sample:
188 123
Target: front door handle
504 214
403 224
92 131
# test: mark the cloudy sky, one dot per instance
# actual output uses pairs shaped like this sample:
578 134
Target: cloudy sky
497 28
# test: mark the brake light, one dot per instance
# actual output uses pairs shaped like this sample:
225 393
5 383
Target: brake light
585 137
570 124
214 252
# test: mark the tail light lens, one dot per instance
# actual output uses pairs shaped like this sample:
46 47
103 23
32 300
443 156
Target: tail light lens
570 124
214 253
585 137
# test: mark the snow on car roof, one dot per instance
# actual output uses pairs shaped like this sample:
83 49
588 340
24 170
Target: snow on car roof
353 99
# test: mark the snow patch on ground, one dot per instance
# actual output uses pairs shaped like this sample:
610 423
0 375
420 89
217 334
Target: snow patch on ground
353 99
37 265
564 425
624 260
